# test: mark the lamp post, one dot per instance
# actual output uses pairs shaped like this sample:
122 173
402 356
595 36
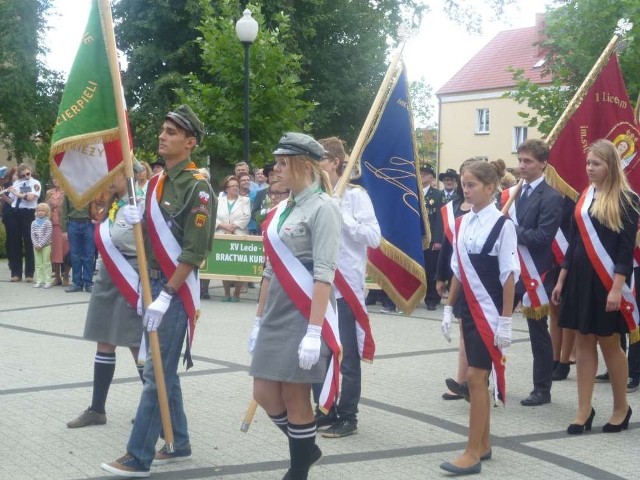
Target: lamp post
247 31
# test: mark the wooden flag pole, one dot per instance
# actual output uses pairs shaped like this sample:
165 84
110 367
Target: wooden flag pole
107 22
380 97
248 418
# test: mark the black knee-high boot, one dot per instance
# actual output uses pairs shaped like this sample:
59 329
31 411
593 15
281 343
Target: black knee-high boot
302 449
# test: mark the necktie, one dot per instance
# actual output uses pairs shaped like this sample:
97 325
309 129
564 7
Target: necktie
285 213
526 191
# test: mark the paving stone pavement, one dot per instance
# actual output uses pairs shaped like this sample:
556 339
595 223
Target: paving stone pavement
405 429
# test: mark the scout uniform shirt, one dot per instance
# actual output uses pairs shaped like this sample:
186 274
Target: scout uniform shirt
188 205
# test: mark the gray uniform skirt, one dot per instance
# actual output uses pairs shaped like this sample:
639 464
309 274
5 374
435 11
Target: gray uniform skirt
110 319
275 356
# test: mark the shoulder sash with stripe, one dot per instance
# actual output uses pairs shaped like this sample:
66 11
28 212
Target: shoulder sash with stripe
448 220
366 344
297 283
603 263
483 309
123 275
167 250
535 302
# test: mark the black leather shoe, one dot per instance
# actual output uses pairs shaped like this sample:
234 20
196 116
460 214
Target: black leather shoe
536 398
461 389
561 372
326 420
577 429
451 468
612 428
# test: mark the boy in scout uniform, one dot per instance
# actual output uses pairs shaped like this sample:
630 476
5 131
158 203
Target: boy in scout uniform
433 200
184 209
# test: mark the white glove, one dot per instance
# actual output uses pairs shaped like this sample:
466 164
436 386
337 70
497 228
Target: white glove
309 349
254 334
133 215
502 336
139 309
447 316
155 311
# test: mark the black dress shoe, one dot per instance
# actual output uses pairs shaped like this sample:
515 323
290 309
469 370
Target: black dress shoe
611 428
536 398
561 372
451 396
461 389
577 429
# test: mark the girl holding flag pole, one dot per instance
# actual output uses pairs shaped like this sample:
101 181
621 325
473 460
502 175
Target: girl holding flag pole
485 268
295 340
595 289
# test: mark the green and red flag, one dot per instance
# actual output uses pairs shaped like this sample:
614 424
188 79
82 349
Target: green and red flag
85 146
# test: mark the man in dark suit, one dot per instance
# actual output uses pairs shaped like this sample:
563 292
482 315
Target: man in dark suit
450 181
433 200
538 215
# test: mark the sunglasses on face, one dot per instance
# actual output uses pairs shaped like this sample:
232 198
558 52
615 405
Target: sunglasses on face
25 175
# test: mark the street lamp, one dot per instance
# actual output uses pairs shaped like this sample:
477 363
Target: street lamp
247 31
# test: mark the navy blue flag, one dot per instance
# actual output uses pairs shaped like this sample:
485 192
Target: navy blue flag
388 169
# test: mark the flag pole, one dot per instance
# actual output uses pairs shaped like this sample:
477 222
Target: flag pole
551 175
381 96
107 22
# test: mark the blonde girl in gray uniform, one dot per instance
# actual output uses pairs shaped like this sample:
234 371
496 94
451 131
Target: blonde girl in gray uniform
289 353
111 320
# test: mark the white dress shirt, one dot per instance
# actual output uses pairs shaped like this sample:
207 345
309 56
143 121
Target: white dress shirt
476 227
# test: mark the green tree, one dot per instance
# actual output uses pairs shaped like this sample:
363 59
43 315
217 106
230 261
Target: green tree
29 92
577 32
275 89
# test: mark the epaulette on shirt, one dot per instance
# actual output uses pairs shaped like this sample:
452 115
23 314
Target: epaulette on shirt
353 185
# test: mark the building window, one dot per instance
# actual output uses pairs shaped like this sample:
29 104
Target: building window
482 125
519 136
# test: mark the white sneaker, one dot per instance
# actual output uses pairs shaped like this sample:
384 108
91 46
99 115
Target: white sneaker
37 285
46 285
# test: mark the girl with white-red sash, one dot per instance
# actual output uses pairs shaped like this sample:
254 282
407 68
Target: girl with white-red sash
594 287
485 268
295 339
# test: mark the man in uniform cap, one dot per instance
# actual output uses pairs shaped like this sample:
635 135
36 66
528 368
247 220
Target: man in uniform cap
433 200
185 210
157 166
450 181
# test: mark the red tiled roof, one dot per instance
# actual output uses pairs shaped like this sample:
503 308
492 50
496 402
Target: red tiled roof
487 70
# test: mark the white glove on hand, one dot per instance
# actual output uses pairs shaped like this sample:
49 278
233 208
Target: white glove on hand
502 336
155 311
133 215
254 334
309 349
447 316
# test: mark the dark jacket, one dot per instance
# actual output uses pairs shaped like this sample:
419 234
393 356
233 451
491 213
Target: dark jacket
433 201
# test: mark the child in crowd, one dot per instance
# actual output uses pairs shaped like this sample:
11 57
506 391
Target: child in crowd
485 268
41 230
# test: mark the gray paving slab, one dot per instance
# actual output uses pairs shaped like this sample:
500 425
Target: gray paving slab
405 428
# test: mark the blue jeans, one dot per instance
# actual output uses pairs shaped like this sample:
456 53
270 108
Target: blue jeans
82 250
147 426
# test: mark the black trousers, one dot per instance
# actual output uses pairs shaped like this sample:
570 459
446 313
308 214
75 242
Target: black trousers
430 266
542 352
20 243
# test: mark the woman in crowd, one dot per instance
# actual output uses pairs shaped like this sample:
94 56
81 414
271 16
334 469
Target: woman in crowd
485 268
59 244
593 285
9 219
142 179
234 212
302 237
113 318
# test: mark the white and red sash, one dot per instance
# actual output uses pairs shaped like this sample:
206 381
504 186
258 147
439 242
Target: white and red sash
602 263
366 344
559 246
535 297
297 283
121 272
448 220
483 309
167 250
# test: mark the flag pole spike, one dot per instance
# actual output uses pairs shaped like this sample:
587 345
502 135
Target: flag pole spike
380 97
107 22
